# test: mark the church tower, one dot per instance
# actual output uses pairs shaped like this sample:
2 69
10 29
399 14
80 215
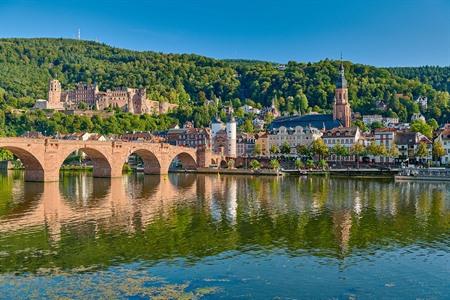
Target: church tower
341 109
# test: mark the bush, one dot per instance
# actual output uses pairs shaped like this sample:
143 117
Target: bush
275 164
310 164
299 164
255 165
322 164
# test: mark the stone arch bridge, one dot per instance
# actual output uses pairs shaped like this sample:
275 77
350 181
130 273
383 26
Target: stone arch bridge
43 158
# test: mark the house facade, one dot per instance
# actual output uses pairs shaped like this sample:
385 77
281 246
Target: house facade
292 136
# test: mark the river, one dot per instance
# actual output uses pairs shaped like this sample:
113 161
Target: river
220 237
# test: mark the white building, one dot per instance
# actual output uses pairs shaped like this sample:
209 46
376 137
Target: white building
216 126
369 119
444 138
231 137
417 116
346 137
248 109
258 124
385 136
293 136
423 102
83 136
224 136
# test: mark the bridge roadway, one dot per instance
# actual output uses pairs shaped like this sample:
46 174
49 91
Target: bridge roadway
43 158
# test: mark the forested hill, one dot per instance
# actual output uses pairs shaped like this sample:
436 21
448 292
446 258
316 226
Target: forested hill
437 77
26 65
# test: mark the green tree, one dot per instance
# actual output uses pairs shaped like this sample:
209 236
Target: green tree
82 106
285 148
393 151
310 164
433 124
303 150
339 150
438 150
274 164
257 150
319 148
5 155
230 164
373 149
358 150
360 124
301 102
376 125
255 165
274 149
247 126
422 151
322 164
299 164
422 127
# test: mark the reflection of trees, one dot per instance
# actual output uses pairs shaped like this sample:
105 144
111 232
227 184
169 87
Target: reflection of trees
319 216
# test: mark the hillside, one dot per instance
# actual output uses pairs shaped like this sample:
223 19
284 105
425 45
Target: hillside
26 65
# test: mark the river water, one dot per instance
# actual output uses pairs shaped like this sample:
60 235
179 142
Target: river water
220 237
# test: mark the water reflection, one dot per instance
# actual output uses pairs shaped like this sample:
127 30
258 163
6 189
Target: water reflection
86 221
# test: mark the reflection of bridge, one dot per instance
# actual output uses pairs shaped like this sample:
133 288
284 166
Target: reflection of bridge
42 158
116 203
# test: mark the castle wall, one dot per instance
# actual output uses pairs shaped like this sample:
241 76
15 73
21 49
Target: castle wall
129 99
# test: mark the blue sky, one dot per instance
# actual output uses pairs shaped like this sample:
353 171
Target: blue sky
375 32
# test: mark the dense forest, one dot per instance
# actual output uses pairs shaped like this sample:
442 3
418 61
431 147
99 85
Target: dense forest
200 84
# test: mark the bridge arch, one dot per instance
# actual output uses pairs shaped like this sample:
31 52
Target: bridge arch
101 163
152 164
183 161
34 168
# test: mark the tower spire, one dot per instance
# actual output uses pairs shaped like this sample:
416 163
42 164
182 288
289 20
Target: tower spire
341 82
341 108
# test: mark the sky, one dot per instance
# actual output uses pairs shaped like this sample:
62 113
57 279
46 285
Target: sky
373 32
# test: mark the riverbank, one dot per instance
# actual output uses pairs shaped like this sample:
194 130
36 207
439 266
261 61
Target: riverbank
261 172
354 173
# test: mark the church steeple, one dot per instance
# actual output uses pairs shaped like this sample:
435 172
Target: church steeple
341 110
341 83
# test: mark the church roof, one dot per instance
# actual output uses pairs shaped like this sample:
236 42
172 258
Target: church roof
314 120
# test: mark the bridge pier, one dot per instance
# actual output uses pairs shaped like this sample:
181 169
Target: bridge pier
40 176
